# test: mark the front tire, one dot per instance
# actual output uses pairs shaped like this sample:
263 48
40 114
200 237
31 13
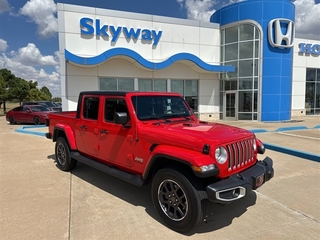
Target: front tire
179 199
62 153
36 120
11 120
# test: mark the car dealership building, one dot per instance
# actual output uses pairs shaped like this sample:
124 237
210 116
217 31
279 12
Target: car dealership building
247 63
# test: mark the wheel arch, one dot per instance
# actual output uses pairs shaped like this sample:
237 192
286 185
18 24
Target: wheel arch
66 133
159 161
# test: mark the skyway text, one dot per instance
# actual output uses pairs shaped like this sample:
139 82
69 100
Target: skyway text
90 26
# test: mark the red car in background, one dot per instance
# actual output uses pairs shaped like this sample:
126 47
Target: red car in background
36 114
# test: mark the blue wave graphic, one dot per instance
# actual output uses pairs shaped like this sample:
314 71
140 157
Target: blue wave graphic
145 63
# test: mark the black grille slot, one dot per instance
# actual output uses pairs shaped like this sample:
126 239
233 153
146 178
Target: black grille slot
239 153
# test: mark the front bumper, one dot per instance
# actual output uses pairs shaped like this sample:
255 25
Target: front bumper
241 184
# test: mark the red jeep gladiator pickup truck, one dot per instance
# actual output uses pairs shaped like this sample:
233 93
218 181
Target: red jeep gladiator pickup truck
154 137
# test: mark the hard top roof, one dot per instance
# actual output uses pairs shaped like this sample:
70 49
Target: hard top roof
124 93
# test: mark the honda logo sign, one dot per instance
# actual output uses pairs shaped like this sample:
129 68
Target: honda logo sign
281 33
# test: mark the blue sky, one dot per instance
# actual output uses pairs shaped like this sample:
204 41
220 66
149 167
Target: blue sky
29 40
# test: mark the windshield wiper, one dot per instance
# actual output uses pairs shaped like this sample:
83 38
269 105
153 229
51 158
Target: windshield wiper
177 116
155 118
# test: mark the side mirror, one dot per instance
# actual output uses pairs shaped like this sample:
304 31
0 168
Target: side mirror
28 111
121 118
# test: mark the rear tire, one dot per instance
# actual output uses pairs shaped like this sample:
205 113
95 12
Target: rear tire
62 153
179 199
11 120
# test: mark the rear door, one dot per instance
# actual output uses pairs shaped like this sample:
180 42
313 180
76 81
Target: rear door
18 114
87 125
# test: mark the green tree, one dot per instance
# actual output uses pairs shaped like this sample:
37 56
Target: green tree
47 92
2 89
56 99
19 89
7 77
33 84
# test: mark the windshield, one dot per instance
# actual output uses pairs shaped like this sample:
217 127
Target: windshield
160 107
38 108
48 104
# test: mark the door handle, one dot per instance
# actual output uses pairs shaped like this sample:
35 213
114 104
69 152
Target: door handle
83 127
103 131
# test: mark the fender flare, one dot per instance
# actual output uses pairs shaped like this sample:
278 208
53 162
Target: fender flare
68 131
185 156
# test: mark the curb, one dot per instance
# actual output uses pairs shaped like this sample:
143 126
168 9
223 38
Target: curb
24 129
293 152
306 155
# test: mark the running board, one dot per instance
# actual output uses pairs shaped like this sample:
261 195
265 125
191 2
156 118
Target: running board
130 178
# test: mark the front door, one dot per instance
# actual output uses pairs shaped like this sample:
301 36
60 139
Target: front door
115 140
230 105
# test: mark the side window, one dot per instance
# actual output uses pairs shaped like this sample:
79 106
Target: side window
91 108
113 105
18 109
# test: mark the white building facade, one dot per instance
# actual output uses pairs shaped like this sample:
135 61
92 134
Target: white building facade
220 67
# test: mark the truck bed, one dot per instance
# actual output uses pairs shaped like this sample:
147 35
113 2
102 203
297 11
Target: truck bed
62 119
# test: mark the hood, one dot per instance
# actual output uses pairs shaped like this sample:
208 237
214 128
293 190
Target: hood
194 134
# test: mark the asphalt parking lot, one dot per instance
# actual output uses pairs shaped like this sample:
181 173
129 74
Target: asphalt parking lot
38 201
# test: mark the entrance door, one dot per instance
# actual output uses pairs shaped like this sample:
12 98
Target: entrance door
230 106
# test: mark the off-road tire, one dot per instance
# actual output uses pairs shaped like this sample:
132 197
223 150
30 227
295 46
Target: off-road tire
179 198
62 153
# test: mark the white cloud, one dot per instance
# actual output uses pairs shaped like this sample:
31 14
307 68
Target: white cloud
4 6
42 12
307 17
307 13
3 45
31 56
198 10
15 63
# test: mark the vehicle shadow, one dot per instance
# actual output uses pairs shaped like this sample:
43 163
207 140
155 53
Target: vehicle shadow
217 216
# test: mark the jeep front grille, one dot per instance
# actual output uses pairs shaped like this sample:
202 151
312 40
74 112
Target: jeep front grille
240 153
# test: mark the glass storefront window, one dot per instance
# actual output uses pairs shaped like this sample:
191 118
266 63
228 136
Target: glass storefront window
108 84
245 83
230 85
125 84
311 74
160 85
312 97
187 88
177 86
191 94
245 68
245 101
234 74
255 101
255 83
231 34
256 49
241 48
246 50
246 32
231 52
145 84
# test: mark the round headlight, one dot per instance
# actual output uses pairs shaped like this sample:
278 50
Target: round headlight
221 155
